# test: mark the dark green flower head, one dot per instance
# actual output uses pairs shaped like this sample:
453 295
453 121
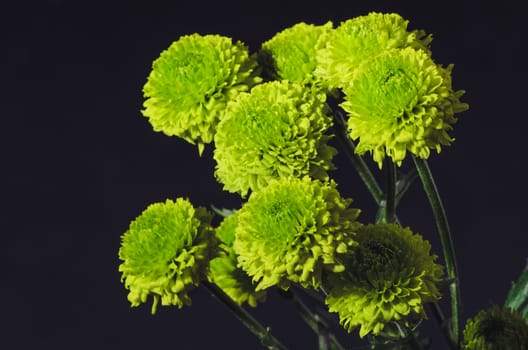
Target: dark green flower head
401 101
276 130
234 281
293 51
388 277
191 82
292 230
362 38
496 329
166 253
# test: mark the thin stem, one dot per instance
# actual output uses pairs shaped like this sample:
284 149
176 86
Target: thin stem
409 336
262 333
327 339
447 243
440 319
390 210
358 162
403 184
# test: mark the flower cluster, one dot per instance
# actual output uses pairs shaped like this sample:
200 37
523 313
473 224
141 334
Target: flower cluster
272 144
292 230
360 38
401 101
389 276
276 130
191 82
496 329
291 53
166 253
397 98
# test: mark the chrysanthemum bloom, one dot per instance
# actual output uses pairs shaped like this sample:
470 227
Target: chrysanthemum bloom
191 82
292 230
224 272
401 101
276 130
292 51
166 253
496 329
361 38
388 277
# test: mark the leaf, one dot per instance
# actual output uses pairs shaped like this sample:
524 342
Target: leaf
518 293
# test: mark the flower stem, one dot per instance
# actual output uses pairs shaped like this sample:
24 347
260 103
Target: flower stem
447 243
327 339
358 162
442 323
263 333
390 209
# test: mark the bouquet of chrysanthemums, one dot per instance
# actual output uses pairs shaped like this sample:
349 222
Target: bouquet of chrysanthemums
372 85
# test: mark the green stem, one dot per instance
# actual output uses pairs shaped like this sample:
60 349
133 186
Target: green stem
439 317
410 337
358 162
262 333
447 243
390 210
327 339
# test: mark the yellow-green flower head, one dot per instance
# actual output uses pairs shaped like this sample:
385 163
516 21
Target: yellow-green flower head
496 329
276 130
292 230
191 82
388 277
224 272
401 101
166 253
293 51
361 38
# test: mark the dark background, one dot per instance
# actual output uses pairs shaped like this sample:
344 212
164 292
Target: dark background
79 162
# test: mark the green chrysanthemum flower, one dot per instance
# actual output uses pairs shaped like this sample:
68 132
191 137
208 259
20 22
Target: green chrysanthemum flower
293 50
388 277
166 253
496 329
276 130
292 230
191 82
234 281
401 101
361 38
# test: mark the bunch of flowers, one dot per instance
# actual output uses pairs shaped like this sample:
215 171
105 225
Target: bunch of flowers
272 117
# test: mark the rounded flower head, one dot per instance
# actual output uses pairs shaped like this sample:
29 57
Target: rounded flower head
361 38
401 101
166 253
276 130
224 272
191 82
496 329
293 229
388 277
292 51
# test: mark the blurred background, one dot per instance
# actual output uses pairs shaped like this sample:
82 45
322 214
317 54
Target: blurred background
79 162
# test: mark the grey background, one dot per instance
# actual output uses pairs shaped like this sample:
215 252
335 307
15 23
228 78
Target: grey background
79 162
